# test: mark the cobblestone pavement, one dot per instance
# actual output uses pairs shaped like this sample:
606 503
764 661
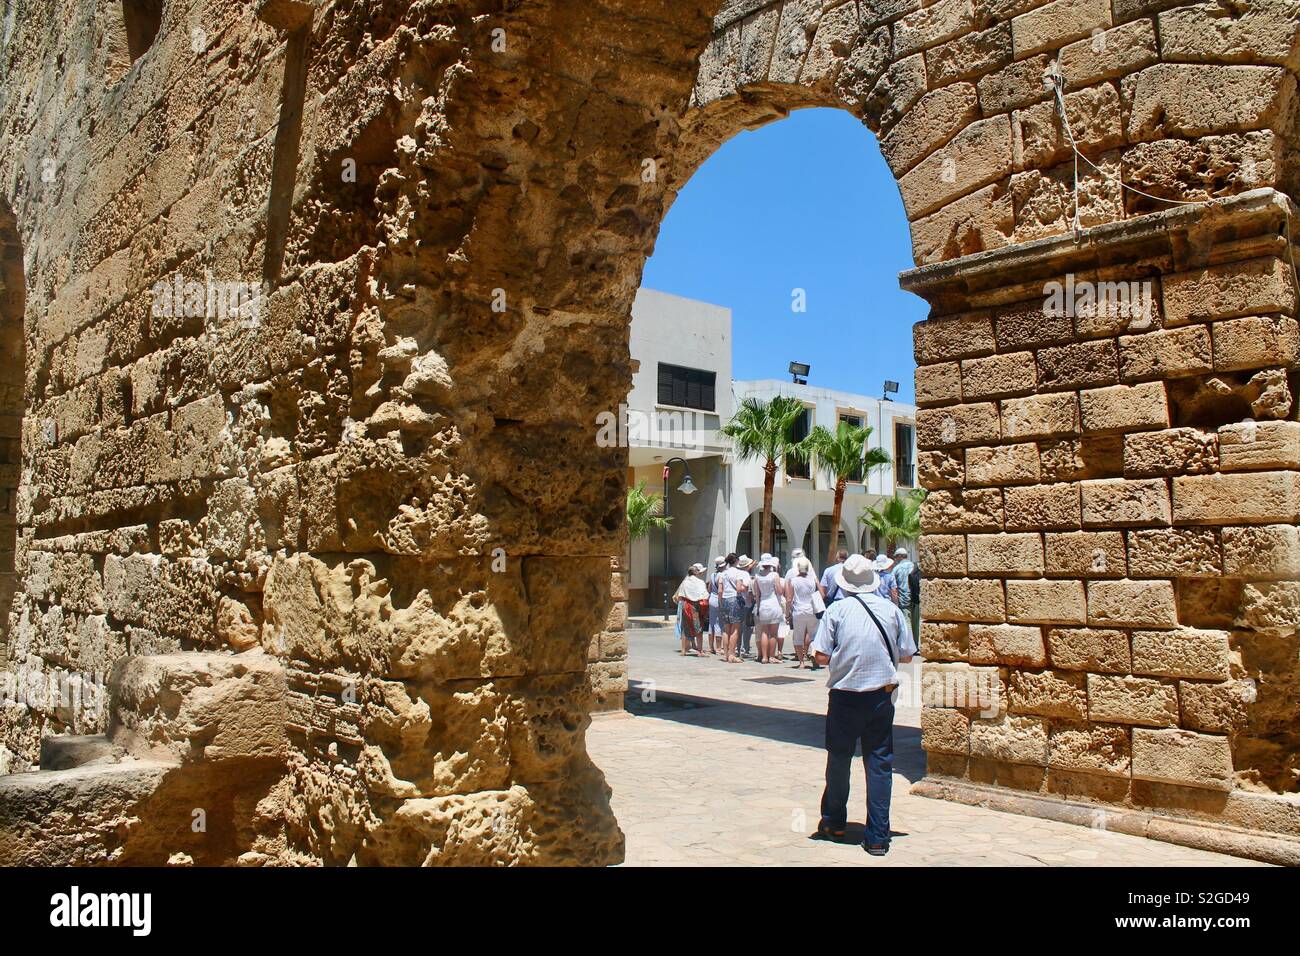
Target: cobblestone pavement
712 768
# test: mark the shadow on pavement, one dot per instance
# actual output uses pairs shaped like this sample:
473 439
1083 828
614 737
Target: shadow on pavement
771 723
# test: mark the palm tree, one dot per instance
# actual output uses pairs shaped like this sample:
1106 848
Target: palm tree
644 514
762 431
842 456
897 519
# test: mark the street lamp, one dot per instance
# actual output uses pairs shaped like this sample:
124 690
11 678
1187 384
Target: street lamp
687 487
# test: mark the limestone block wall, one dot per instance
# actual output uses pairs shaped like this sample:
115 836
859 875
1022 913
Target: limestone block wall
1110 556
384 472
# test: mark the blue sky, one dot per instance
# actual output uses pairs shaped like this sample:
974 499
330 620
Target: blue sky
806 202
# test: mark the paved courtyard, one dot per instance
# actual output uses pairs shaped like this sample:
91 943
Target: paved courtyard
712 768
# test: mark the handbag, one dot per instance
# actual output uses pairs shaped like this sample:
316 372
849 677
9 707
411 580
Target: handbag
818 604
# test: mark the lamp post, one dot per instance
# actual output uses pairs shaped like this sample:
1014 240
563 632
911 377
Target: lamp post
687 487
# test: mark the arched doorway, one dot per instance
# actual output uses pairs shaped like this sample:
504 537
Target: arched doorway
817 539
750 540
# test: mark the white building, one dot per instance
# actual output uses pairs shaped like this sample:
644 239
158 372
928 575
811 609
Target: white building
682 393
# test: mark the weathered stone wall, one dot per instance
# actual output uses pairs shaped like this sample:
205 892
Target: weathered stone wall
387 479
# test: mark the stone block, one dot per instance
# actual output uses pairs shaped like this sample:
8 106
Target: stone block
997 376
977 690
1251 287
1089 748
1248 446
1012 644
1262 551
1040 416
1119 502
1104 650
1054 24
944 641
942 555
1189 100
941 469
1166 353
1174 552
1047 507
975 157
1132 700
1078 365
938 384
1170 451
953 425
1126 603
1124 408
1182 757
1219 708
1263 497
1005 555
1046 601
1048 693
945 730
1109 53
962 599
1184 652
975 509
1003 465
1010 739
1085 554
1255 342
199 707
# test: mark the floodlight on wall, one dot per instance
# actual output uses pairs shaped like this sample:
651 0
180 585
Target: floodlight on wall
799 372
891 388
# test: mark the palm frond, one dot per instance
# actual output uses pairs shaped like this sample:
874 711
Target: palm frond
644 512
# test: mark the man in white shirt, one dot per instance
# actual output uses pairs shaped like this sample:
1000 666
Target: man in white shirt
862 638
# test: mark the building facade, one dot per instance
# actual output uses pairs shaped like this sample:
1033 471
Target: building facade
682 394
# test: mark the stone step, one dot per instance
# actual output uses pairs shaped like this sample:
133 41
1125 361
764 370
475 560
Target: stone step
192 738
76 750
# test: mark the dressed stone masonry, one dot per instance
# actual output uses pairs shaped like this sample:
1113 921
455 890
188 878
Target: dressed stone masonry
331 526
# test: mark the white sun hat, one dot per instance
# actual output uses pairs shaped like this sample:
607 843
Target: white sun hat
856 576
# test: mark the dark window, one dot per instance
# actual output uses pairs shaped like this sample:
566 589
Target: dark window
794 468
903 467
856 422
686 387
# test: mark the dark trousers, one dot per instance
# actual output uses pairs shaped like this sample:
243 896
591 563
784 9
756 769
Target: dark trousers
852 718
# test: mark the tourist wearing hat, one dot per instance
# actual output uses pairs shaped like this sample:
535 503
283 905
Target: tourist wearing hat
802 595
862 639
733 585
716 636
692 598
882 565
769 591
747 564
907 585
829 589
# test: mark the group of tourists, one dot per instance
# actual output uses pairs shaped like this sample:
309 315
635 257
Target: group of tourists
745 609
858 620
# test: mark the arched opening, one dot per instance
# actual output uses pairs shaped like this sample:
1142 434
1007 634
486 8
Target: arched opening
750 541
12 306
763 266
817 539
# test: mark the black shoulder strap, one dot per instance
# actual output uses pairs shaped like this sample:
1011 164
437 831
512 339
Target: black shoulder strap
889 648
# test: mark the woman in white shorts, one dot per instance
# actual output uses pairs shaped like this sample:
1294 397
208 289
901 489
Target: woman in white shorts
802 585
768 592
